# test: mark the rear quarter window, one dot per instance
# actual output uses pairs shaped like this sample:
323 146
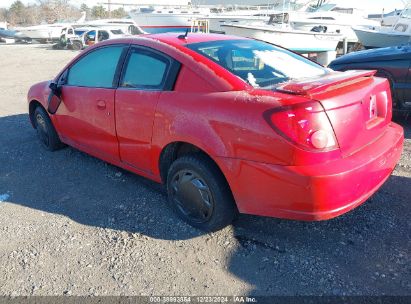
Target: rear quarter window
260 64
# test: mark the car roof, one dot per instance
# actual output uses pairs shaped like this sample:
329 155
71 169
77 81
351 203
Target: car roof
170 41
173 38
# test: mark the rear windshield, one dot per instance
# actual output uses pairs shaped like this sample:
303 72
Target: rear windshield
260 64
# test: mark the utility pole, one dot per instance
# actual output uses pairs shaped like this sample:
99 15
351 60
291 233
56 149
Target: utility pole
109 8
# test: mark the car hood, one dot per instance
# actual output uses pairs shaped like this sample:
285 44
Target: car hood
389 53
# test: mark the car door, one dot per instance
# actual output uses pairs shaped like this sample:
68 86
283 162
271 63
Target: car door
85 117
146 74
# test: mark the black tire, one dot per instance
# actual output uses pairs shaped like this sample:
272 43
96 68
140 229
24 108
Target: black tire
58 46
76 46
46 132
199 193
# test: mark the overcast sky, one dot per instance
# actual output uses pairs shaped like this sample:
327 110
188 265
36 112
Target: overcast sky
373 6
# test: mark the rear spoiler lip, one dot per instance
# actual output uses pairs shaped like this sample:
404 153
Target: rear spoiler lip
324 83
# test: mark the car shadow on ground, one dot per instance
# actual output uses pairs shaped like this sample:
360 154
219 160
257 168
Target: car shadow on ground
81 187
405 121
363 252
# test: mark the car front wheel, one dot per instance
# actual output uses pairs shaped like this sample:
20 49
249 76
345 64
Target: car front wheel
199 193
45 131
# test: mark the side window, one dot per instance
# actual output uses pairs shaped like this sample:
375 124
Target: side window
90 37
96 69
145 70
103 35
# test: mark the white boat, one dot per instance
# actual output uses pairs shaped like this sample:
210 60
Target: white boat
216 20
128 26
159 19
335 18
172 18
389 13
43 33
381 37
47 32
295 40
239 14
386 19
399 33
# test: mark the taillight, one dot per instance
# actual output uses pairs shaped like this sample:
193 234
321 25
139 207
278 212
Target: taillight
306 125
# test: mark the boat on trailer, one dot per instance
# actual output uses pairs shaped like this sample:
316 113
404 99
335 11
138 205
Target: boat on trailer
176 17
285 36
47 32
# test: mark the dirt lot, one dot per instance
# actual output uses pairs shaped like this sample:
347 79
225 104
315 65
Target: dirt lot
71 224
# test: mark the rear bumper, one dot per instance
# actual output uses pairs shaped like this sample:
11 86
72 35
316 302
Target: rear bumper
317 192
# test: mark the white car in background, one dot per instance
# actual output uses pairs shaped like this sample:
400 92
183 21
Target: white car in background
92 36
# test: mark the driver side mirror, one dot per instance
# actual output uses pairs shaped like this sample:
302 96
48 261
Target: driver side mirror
53 87
54 99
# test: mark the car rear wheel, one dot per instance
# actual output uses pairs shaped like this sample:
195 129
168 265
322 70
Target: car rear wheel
76 46
46 132
199 194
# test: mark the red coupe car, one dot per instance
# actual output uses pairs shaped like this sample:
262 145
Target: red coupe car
228 124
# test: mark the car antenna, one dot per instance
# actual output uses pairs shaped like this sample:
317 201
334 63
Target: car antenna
183 36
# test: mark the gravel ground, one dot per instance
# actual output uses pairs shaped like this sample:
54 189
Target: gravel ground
71 224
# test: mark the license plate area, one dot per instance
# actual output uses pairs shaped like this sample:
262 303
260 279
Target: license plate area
376 109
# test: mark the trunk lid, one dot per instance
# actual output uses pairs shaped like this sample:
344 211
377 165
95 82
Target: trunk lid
357 104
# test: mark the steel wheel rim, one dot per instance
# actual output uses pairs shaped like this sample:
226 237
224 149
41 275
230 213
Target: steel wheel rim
192 196
42 130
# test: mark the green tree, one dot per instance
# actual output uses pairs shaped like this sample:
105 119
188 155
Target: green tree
119 13
98 12
17 13
3 14
17 6
55 10
84 8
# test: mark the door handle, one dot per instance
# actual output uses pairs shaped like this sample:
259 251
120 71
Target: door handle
101 104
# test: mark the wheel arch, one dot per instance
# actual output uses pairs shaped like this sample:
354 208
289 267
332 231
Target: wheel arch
387 75
32 107
176 149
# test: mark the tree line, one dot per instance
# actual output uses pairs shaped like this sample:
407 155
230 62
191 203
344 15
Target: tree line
51 11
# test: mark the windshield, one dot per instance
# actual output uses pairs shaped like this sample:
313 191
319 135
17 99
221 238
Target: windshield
406 13
260 64
325 8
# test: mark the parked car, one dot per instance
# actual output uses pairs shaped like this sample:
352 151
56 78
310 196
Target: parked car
393 63
67 33
93 36
228 124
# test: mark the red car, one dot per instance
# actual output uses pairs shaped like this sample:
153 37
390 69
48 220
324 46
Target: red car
228 124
